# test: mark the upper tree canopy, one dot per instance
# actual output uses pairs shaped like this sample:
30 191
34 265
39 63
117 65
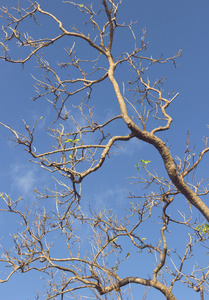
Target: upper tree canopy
98 93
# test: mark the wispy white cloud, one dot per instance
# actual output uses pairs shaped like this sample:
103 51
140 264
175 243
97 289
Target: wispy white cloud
24 177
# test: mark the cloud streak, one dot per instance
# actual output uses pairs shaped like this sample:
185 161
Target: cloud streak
24 177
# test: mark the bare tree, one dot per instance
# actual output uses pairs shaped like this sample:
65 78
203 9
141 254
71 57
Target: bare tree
80 148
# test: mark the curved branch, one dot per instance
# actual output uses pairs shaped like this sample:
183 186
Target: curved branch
147 282
170 166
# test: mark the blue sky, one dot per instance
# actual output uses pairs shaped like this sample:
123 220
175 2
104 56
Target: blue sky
170 26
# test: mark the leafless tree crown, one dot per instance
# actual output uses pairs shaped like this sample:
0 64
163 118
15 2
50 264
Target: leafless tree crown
94 266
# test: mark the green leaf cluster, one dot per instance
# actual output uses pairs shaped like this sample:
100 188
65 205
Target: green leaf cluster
203 229
72 141
143 164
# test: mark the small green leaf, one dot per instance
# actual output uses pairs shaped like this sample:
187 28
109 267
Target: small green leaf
6 48
69 141
128 254
145 162
15 33
76 140
41 117
114 240
143 239
71 155
137 166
